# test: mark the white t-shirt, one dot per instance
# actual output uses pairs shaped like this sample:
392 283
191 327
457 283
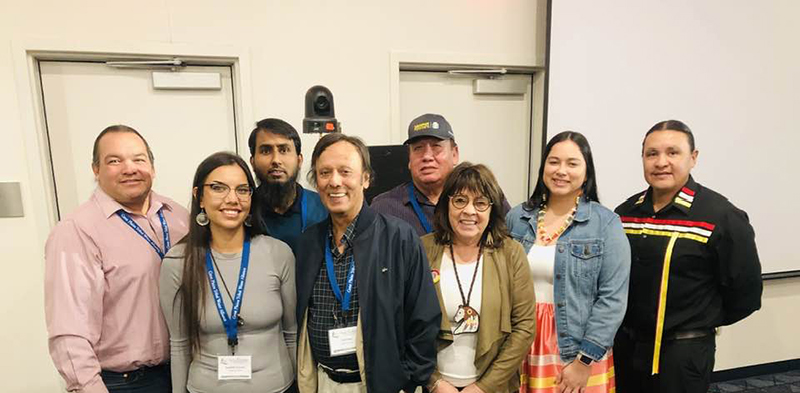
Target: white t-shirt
542 260
456 362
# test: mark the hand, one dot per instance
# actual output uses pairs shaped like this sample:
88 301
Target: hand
445 387
473 388
573 378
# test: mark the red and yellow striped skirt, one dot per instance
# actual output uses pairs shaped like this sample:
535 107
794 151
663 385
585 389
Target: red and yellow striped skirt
543 363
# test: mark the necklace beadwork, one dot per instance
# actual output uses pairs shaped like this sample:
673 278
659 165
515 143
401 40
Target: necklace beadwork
542 233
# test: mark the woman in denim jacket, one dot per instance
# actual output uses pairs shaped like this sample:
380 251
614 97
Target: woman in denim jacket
579 258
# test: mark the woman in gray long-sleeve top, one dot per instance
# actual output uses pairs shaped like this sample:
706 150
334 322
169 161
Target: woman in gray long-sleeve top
229 298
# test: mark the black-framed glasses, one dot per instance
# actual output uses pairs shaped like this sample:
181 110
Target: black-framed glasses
221 191
480 203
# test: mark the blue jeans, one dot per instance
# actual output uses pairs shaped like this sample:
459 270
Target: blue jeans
144 380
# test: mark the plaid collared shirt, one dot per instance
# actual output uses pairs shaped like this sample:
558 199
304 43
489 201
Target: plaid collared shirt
324 310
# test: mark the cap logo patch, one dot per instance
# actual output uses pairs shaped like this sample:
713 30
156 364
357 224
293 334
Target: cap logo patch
423 126
435 125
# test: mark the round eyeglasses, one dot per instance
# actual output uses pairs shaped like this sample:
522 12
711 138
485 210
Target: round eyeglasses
480 204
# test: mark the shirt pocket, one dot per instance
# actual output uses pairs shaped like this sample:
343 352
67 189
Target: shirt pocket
586 256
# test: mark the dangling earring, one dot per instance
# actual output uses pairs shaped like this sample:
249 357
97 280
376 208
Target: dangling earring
201 218
248 221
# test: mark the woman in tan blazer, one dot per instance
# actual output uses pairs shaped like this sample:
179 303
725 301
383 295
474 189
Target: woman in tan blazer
484 288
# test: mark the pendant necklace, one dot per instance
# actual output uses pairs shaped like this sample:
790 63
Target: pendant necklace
467 319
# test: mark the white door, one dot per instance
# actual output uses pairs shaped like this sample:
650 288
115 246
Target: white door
181 126
494 130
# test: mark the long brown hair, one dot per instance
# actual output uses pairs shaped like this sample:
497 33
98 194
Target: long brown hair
194 283
480 180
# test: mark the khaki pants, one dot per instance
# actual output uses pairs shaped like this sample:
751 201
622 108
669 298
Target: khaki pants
326 385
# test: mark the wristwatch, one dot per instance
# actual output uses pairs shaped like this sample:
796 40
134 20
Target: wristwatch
585 359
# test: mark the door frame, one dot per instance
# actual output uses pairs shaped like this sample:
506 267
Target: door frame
416 61
28 52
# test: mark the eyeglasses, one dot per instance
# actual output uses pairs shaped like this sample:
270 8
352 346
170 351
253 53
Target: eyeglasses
480 204
221 191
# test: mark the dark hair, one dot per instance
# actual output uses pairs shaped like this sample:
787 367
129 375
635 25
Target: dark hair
671 125
328 140
480 180
118 128
194 283
277 127
589 187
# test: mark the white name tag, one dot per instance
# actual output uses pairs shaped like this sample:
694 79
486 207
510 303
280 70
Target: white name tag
342 341
234 367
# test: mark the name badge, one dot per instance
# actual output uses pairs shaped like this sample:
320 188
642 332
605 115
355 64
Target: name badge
342 341
234 367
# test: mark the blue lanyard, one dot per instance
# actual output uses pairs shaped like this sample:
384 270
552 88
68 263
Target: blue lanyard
417 209
128 220
303 212
348 291
229 322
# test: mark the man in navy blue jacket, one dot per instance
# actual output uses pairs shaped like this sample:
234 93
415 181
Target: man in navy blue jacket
366 305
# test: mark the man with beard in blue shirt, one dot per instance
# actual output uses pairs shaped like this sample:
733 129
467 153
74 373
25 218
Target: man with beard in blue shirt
284 208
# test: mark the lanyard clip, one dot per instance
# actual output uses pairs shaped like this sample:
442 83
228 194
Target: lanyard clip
233 342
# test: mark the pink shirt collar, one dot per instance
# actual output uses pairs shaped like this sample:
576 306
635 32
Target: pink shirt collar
109 206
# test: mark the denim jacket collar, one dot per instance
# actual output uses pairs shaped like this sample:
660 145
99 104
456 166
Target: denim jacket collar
584 210
581 215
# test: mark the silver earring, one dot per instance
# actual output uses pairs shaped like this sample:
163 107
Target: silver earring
248 221
202 218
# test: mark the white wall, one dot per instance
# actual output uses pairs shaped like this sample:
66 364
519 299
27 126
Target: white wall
769 335
293 45
728 68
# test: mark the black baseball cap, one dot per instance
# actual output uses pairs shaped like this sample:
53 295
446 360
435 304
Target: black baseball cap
429 124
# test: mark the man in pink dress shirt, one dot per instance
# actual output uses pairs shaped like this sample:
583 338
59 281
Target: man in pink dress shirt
102 262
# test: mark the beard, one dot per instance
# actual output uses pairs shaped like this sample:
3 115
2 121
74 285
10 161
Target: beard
275 194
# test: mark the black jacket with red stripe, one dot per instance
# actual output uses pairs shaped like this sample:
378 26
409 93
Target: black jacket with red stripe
714 274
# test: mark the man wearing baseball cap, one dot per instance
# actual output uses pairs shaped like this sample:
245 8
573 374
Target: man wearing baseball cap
432 154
